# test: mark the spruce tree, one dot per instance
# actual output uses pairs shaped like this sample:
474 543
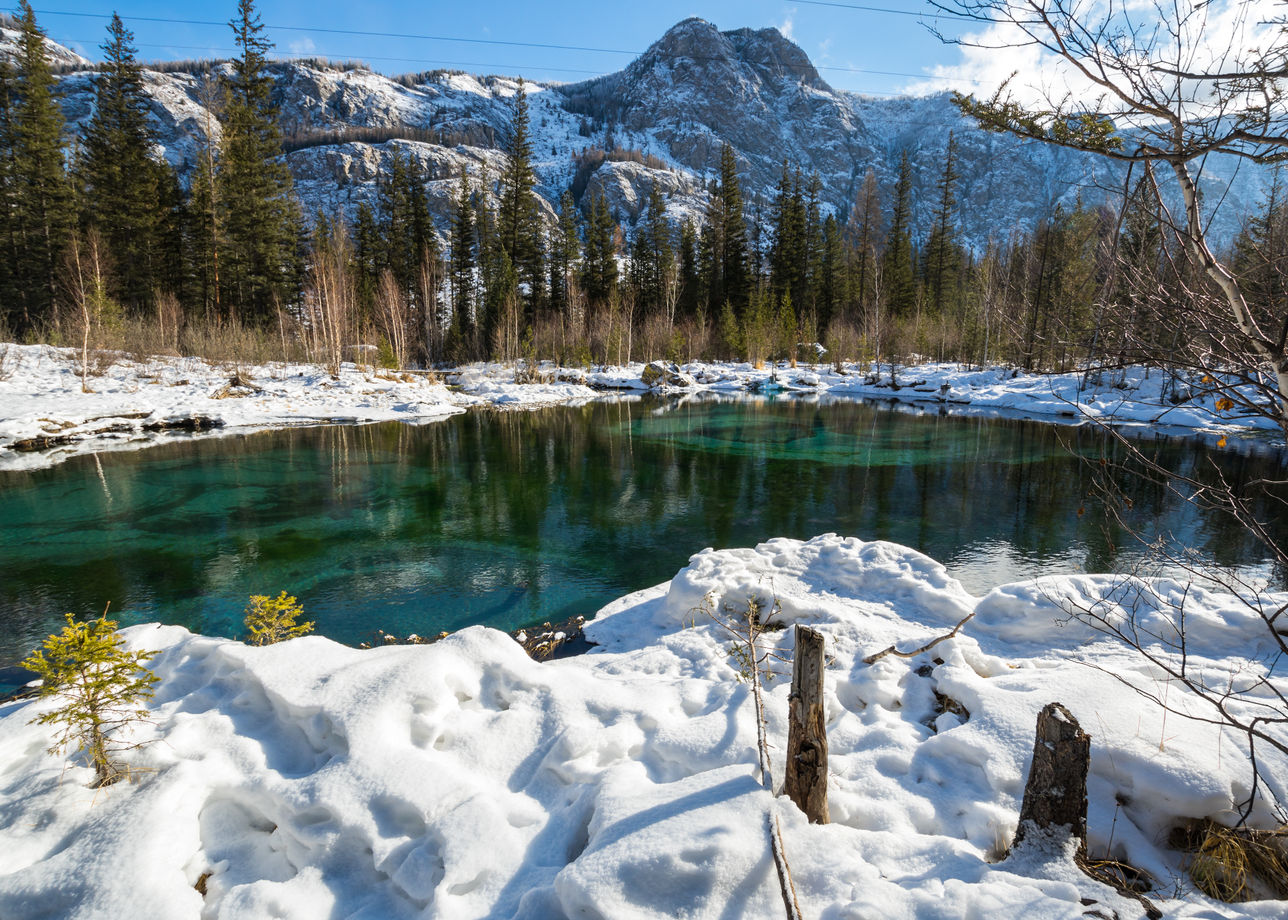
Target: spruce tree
733 233
563 255
8 206
120 182
863 229
943 256
652 252
262 267
41 193
368 257
101 688
812 249
519 216
788 228
462 265
599 267
204 219
900 282
689 271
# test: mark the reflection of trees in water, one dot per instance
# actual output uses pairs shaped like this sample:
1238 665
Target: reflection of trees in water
515 500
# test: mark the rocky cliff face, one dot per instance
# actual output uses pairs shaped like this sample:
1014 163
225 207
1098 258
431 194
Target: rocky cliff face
695 89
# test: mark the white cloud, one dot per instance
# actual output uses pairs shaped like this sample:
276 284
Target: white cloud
1210 34
788 24
303 46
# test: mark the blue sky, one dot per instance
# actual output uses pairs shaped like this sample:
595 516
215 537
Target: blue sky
847 44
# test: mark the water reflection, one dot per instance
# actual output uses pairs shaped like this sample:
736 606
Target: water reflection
513 517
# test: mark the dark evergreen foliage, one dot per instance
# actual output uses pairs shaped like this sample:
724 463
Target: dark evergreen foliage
261 267
39 194
121 185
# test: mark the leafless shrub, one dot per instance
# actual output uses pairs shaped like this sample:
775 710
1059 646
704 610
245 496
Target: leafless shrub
394 317
330 299
90 314
1242 695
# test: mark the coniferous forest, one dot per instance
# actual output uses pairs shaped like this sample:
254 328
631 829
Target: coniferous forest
104 246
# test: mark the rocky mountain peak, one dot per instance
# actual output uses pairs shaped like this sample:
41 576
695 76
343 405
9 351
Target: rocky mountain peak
696 49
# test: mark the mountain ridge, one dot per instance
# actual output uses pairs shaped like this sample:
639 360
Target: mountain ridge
693 90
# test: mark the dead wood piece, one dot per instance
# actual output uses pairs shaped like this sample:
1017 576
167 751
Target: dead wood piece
806 781
185 423
1055 795
892 650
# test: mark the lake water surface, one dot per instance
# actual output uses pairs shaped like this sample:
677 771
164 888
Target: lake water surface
511 518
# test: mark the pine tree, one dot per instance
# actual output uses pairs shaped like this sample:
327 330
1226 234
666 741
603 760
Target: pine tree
369 254
812 255
270 620
563 255
689 281
41 193
943 256
101 686
519 217
788 218
261 268
599 267
863 229
652 252
9 279
172 269
735 285
121 183
462 265
393 214
898 263
831 275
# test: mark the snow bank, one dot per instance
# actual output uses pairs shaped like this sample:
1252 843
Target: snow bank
45 417
463 780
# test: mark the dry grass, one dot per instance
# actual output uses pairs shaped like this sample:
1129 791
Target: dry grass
1237 864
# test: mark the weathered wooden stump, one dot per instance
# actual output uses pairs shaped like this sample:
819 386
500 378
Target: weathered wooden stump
1055 796
806 783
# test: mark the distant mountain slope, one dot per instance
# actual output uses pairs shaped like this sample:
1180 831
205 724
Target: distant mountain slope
691 91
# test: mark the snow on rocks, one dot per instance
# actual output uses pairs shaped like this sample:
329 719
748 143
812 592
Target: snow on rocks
660 375
462 779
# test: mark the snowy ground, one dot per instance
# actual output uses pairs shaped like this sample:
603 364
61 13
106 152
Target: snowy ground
131 404
45 417
463 780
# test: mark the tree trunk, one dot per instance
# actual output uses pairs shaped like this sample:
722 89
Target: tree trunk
1055 796
806 783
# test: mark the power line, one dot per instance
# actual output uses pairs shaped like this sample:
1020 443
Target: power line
884 9
357 58
478 41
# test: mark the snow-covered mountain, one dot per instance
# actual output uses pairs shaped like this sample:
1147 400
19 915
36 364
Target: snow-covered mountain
691 91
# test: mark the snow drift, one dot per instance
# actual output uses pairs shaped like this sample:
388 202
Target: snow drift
463 780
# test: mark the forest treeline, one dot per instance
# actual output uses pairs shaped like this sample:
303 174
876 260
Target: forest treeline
101 245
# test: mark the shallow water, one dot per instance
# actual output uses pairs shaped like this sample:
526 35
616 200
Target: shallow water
510 518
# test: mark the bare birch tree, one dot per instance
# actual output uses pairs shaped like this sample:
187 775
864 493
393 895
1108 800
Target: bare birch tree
1163 85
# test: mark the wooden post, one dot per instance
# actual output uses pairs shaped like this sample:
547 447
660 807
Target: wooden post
1055 796
806 733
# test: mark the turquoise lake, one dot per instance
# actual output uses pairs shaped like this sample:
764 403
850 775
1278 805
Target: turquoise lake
512 518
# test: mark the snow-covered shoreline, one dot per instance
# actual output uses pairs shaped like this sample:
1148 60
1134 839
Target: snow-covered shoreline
464 780
46 418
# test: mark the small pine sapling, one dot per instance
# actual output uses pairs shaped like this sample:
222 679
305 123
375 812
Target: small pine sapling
102 686
272 619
